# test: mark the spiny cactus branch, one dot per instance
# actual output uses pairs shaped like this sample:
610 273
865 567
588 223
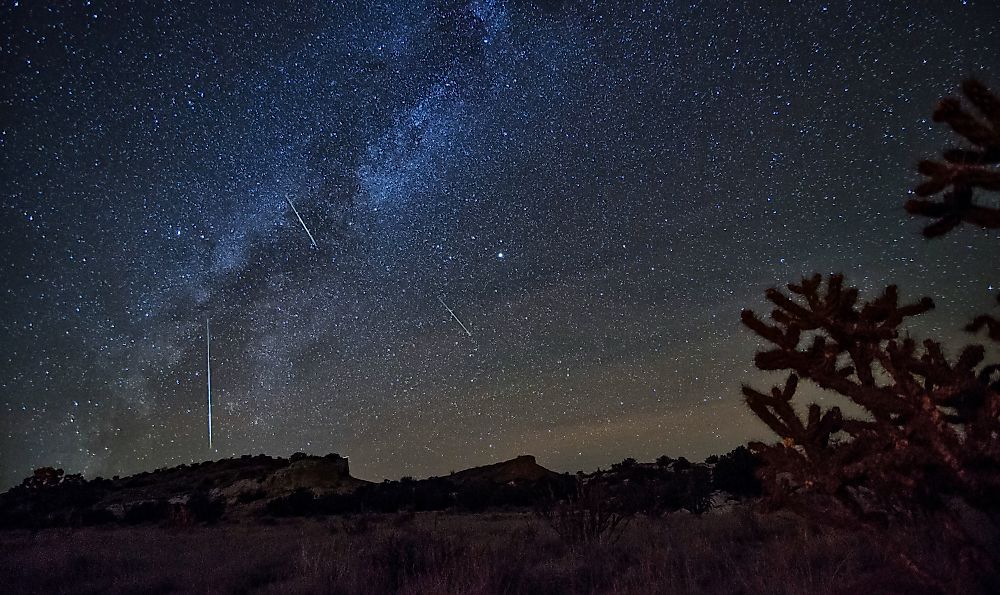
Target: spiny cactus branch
964 169
923 408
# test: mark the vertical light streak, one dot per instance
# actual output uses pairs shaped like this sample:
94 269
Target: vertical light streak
208 370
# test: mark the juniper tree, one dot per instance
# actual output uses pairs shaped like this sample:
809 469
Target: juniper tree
927 447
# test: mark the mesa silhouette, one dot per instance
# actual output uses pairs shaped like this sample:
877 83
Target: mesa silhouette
251 488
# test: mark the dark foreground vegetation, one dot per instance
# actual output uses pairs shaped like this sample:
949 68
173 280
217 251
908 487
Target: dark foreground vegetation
736 551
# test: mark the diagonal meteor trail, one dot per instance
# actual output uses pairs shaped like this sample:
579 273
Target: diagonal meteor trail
452 312
296 211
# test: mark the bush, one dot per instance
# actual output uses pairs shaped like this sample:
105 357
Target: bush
249 496
625 465
586 516
205 509
152 511
736 473
301 502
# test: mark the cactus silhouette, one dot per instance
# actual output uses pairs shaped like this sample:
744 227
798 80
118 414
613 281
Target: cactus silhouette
925 447
963 169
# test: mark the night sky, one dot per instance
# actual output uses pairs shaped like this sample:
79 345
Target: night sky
595 189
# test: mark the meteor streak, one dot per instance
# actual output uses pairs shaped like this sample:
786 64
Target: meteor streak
296 211
208 370
452 312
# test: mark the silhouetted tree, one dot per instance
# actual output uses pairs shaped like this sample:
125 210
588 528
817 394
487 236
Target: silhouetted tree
736 473
45 477
625 465
689 489
928 447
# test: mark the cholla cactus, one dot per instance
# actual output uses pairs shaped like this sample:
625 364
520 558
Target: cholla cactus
928 444
930 439
963 169
929 423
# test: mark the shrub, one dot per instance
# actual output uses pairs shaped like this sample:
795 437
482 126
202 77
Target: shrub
151 511
248 496
736 473
301 502
625 465
588 515
204 508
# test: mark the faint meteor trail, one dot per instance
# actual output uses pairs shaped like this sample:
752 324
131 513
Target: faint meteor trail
452 312
208 374
296 211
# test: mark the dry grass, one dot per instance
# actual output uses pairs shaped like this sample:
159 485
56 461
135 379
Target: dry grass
736 552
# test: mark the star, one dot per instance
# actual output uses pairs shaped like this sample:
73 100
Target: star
642 165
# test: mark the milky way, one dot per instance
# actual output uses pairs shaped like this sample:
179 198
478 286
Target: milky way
594 190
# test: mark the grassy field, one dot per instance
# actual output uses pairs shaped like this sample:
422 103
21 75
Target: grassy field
732 552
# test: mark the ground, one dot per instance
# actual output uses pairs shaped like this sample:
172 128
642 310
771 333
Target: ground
738 551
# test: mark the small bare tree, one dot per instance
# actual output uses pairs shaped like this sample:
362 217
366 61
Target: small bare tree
587 515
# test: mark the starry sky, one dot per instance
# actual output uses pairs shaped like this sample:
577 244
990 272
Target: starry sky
595 189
